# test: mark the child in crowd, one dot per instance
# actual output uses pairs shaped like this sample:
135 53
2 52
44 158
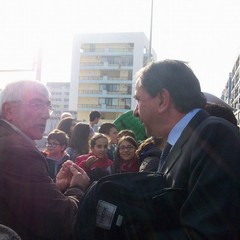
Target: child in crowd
57 141
126 160
97 158
110 130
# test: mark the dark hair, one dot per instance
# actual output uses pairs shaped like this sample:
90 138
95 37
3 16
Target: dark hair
148 143
106 127
95 137
65 125
150 147
129 139
127 132
94 114
221 111
59 136
79 138
117 161
176 77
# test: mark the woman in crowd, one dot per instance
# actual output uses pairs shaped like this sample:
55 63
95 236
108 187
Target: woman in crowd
126 160
67 125
79 140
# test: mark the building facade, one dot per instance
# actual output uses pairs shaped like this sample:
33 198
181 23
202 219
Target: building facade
102 74
231 92
60 93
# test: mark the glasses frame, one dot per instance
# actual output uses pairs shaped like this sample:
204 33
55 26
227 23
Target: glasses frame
54 145
38 106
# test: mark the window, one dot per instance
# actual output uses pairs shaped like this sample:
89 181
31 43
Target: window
110 87
109 101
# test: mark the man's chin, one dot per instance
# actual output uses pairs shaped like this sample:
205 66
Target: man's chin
149 132
38 135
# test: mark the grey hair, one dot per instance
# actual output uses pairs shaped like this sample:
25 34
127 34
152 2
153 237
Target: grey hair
15 91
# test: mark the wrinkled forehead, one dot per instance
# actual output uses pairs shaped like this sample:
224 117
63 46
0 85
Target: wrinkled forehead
36 95
40 93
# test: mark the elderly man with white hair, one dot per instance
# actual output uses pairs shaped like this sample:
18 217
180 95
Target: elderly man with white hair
32 204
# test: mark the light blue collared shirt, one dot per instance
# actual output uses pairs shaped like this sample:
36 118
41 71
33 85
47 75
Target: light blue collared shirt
177 130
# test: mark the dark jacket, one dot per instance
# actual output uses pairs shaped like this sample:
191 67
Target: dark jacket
205 163
149 158
54 166
30 202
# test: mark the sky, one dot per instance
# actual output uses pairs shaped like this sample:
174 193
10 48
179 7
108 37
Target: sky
204 33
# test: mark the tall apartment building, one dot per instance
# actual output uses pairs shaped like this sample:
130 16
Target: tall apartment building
60 92
102 74
231 93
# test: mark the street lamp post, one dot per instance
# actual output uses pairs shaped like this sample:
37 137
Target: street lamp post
150 38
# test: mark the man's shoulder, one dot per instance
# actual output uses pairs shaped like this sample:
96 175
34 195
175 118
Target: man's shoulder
11 135
213 122
205 126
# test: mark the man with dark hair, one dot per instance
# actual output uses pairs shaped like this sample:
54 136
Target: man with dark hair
204 154
94 117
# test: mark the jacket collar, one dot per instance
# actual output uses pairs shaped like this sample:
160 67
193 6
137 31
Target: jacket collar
178 147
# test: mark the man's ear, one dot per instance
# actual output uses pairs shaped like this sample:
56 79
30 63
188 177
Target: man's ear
7 111
164 99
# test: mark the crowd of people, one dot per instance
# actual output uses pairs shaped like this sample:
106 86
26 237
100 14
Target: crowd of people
40 191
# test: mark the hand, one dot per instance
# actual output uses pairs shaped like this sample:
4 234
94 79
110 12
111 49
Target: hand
70 174
90 161
64 176
79 177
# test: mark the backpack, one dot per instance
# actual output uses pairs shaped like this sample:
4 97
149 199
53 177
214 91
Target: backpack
128 206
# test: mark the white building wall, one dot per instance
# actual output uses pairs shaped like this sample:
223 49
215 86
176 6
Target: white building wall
139 40
73 98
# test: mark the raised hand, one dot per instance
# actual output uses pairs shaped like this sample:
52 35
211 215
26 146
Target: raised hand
79 177
71 175
90 161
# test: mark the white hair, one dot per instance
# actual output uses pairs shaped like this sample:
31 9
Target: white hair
15 91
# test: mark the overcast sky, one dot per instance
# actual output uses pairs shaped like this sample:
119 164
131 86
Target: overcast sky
204 33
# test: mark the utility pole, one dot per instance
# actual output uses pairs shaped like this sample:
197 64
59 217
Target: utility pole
150 39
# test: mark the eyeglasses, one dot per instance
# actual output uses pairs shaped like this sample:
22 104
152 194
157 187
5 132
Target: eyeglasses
48 144
40 106
129 148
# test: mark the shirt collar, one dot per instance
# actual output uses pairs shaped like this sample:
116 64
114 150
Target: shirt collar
177 130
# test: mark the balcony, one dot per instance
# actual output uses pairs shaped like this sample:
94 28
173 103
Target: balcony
106 65
104 93
103 108
107 51
104 79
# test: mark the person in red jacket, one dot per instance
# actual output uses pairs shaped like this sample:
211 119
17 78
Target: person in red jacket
97 158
